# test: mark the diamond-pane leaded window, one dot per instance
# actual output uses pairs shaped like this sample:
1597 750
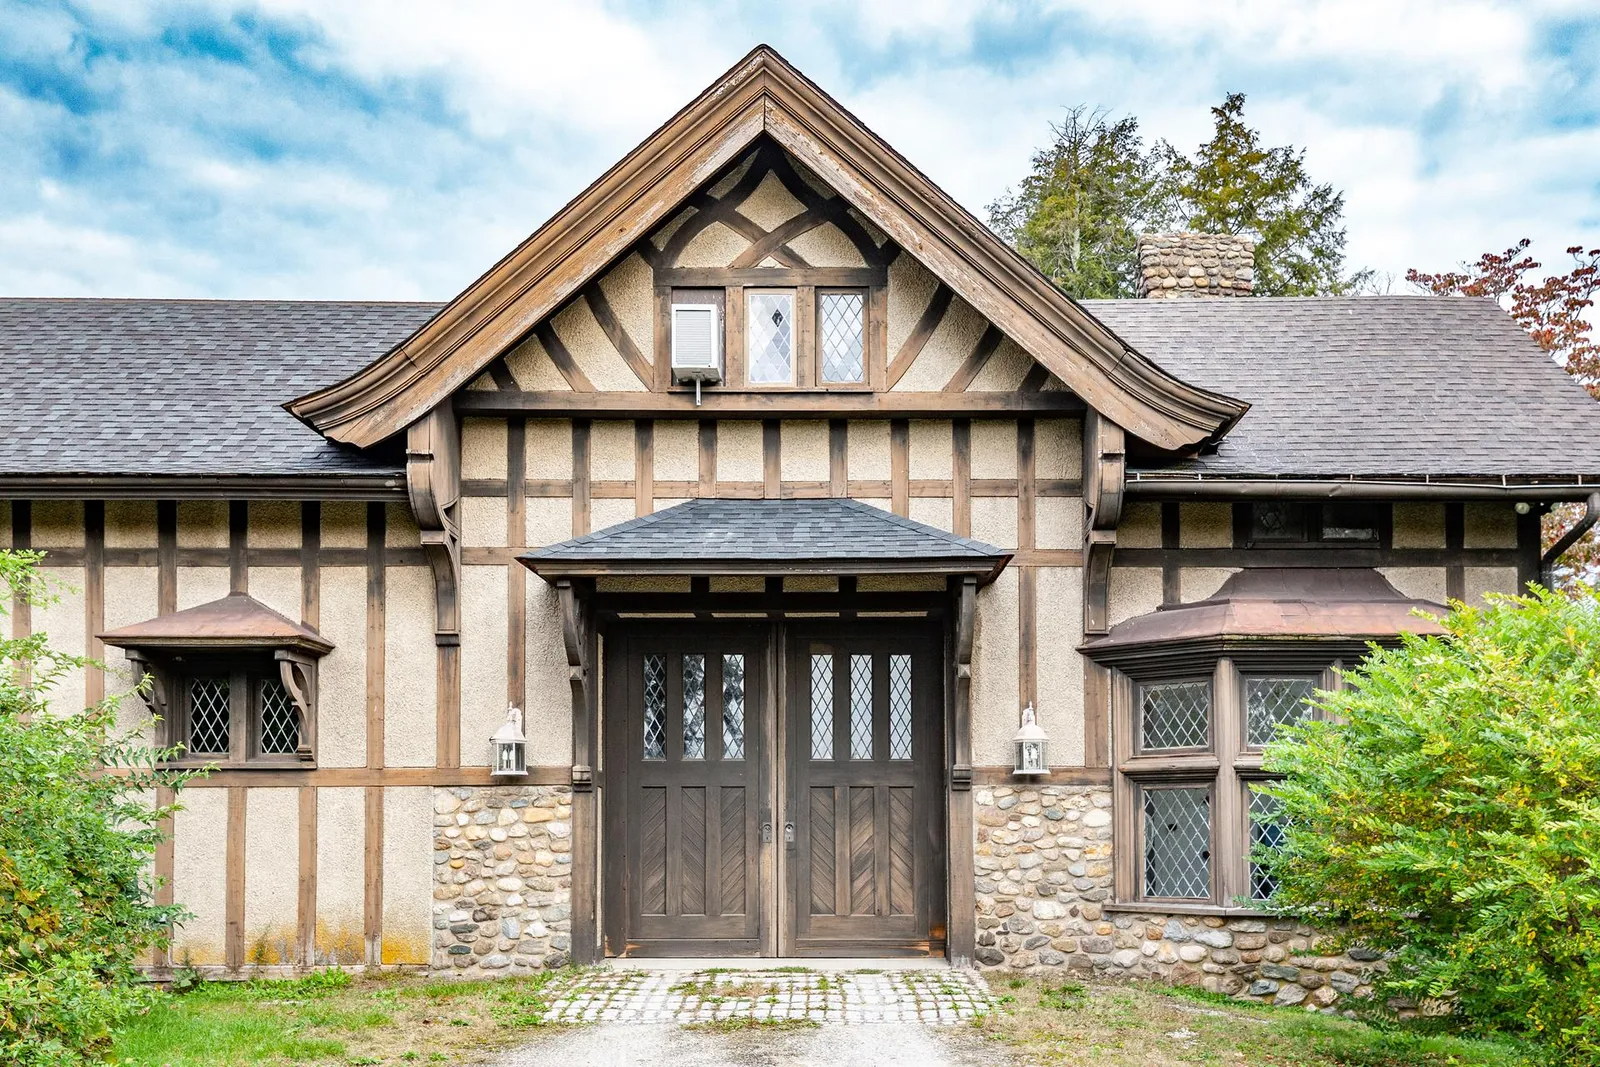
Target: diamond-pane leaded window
732 707
655 707
1271 702
694 707
1175 715
841 322
1266 831
771 338
822 707
860 707
280 720
209 716
899 707
1177 843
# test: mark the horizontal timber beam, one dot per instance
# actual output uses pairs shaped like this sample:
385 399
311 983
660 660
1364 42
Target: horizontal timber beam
200 487
814 405
720 277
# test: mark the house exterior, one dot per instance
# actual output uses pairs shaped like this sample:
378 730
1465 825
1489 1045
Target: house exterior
770 624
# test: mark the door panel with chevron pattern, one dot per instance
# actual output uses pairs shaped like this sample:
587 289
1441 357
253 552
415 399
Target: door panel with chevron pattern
865 740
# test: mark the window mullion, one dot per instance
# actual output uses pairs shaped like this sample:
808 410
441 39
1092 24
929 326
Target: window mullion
807 364
238 717
1229 877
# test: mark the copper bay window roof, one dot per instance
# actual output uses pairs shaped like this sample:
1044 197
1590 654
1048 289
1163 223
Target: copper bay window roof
236 621
1338 608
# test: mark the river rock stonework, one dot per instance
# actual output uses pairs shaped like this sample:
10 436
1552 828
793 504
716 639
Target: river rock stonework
1184 265
1044 883
502 879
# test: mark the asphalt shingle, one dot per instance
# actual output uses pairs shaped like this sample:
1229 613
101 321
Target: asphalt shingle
183 387
1370 386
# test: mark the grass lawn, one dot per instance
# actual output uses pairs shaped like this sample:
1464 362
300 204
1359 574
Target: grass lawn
1157 1026
338 1019
334 1018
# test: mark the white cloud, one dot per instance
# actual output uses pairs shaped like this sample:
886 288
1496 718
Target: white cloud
422 141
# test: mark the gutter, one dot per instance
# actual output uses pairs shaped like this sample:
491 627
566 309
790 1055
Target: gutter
1591 513
203 487
1199 487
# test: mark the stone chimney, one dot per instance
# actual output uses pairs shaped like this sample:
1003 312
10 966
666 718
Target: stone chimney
1186 264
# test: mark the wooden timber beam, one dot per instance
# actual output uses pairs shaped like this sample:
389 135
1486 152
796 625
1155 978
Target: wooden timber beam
1104 469
766 405
433 484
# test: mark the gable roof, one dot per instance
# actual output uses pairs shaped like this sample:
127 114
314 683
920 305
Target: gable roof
720 536
764 94
1371 386
183 387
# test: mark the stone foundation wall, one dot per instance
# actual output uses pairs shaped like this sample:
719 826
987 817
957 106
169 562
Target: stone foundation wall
502 879
1044 883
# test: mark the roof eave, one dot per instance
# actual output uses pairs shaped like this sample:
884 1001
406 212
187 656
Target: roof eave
553 569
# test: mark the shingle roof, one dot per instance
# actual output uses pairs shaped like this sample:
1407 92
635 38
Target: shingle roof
1339 386
175 387
1370 386
830 534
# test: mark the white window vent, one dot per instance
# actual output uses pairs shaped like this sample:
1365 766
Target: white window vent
696 344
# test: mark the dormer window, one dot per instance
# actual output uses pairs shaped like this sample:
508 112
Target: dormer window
232 681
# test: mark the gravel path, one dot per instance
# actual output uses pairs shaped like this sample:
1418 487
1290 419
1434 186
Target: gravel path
846 1045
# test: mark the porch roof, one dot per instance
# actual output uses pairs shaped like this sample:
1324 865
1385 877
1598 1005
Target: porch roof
769 537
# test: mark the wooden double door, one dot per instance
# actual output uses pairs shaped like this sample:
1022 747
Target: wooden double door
774 789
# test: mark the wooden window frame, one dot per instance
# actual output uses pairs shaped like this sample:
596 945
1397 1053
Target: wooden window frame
247 674
1244 527
1227 768
734 286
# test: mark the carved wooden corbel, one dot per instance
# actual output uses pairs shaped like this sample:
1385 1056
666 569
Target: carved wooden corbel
575 635
433 483
1104 473
299 676
966 607
155 695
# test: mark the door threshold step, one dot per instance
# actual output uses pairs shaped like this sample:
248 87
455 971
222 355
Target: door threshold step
823 965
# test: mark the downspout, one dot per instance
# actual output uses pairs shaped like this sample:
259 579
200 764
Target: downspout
1547 562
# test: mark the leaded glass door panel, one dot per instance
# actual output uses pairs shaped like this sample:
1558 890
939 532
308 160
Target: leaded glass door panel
864 864
684 729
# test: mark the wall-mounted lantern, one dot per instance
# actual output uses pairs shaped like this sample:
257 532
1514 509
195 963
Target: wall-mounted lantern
510 757
1031 742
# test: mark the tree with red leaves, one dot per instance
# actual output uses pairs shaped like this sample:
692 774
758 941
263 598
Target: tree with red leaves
1555 312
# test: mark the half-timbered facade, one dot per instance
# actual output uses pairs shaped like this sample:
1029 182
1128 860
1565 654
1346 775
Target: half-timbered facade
770 629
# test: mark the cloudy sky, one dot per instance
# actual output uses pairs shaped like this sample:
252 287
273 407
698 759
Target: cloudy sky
397 148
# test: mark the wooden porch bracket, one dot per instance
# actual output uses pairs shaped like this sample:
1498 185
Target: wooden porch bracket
966 601
1104 475
578 637
433 485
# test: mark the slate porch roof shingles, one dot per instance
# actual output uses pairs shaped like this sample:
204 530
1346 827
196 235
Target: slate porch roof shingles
723 532
182 387
1339 386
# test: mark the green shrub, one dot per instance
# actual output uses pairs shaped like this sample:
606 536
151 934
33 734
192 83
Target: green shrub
1449 816
76 902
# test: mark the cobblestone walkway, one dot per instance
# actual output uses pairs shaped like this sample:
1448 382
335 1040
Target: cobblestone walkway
924 996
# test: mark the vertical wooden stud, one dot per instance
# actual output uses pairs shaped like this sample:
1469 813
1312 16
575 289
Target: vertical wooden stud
878 338
771 458
1455 575
806 372
1096 715
662 356
164 862
516 574
306 902
372 896
94 596
900 467
166 556
1529 548
1171 541
310 567
708 458
21 539
238 546
961 477
377 532
644 466
733 337
580 477
233 878
838 457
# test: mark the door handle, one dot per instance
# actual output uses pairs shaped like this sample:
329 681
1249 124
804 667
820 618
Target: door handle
788 834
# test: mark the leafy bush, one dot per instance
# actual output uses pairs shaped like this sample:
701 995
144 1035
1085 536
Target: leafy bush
1449 816
76 902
